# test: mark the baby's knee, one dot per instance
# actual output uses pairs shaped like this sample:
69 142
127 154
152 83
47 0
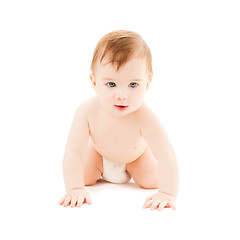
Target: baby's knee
90 178
89 181
148 184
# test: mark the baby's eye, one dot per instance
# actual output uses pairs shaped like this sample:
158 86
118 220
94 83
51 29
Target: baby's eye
111 84
133 84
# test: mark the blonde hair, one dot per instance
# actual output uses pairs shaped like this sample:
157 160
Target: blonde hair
120 46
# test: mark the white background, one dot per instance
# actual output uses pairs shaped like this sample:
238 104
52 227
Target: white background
45 53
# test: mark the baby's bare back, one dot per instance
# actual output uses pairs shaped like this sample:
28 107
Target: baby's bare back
116 139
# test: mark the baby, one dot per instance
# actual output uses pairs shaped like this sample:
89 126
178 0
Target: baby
115 135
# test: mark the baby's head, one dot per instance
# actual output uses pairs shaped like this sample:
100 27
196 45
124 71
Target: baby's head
121 71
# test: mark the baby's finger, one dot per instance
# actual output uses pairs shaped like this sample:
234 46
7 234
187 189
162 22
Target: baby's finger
162 205
61 201
155 205
147 199
172 205
88 199
148 204
80 201
67 201
73 201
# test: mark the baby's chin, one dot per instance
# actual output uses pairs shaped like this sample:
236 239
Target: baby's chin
115 112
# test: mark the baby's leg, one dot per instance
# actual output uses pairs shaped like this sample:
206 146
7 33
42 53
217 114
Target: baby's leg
144 170
93 166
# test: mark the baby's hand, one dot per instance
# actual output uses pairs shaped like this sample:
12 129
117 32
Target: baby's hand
159 201
75 197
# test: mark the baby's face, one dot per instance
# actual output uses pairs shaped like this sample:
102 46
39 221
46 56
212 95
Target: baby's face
121 92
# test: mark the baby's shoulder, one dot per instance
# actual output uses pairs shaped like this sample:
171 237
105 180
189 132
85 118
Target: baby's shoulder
87 107
145 111
146 115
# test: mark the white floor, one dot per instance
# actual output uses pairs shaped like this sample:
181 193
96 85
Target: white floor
116 213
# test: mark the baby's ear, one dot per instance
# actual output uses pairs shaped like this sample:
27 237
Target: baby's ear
147 86
148 83
93 81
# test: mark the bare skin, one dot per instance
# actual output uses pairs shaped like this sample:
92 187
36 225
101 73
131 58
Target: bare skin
103 129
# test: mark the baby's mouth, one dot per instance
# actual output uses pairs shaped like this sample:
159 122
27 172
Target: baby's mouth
121 107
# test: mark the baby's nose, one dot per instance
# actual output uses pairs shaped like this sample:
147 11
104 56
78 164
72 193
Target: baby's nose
121 94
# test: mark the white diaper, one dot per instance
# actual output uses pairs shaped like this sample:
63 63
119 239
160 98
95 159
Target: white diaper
115 172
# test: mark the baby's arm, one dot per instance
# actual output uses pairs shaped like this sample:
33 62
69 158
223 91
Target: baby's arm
74 157
159 143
